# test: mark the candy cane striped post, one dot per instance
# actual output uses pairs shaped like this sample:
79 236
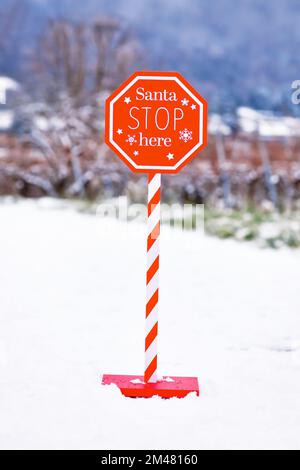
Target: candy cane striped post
132 385
154 184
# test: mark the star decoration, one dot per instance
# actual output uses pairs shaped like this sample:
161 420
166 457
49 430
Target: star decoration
170 156
127 99
120 131
184 102
193 106
135 153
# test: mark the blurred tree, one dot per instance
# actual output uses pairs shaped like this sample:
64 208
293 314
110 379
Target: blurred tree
81 59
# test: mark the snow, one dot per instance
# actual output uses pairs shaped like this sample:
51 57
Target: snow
6 120
7 83
267 124
72 308
7 116
216 125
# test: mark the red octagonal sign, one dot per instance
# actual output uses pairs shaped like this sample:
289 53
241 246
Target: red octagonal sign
156 122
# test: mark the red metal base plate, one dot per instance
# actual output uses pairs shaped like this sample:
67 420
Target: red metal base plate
168 387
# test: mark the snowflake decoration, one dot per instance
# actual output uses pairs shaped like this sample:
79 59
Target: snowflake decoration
185 135
131 139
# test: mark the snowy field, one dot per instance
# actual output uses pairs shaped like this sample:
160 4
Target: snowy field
72 308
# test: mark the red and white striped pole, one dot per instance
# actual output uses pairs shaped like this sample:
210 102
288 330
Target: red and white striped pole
132 385
153 232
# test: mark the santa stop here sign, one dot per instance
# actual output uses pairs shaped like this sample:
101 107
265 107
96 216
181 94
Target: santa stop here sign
156 122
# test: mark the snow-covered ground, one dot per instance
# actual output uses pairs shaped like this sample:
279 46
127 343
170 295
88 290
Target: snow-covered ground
72 308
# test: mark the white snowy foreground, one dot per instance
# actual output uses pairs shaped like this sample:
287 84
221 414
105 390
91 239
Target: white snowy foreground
72 308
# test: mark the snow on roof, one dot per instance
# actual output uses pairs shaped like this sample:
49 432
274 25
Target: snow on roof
7 83
6 120
267 124
217 125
